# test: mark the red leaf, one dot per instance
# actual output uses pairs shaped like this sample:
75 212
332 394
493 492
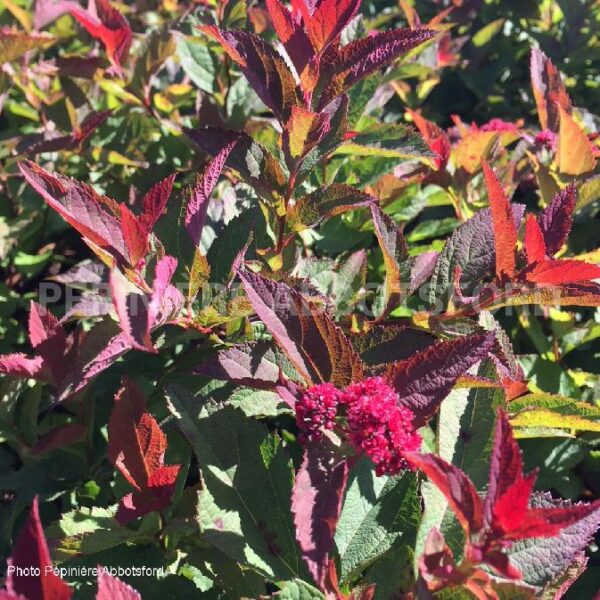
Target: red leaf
360 58
556 219
510 509
328 20
505 230
435 137
262 66
557 272
195 212
135 236
107 24
155 201
316 504
111 588
506 465
426 378
136 446
291 34
81 207
535 248
456 487
31 552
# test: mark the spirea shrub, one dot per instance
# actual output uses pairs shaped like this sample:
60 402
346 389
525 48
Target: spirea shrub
280 323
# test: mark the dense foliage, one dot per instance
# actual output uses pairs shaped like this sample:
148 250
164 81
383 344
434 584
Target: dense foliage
299 299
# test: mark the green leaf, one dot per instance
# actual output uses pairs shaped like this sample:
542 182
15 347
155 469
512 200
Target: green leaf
198 63
298 590
388 140
377 512
245 503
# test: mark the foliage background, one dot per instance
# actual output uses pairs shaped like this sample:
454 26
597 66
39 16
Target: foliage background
178 83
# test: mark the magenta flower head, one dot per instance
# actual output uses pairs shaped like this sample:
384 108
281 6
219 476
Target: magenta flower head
546 139
379 426
316 410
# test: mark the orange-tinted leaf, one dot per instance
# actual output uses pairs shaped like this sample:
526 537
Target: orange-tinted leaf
394 250
574 154
557 272
134 234
328 20
548 90
505 230
136 446
15 43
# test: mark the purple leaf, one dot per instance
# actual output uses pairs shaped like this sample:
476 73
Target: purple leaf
195 213
20 365
111 588
425 379
80 206
317 347
132 309
262 66
255 164
316 504
47 11
155 202
253 365
421 269
556 219
470 247
360 58
102 346
541 560
31 553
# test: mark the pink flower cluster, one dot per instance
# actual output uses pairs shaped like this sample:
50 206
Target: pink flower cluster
546 139
316 410
376 424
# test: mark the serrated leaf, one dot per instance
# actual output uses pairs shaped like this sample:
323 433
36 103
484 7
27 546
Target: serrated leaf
264 68
335 199
548 90
377 513
255 164
136 446
316 503
198 63
245 503
360 58
423 380
470 247
317 348
15 43
540 560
